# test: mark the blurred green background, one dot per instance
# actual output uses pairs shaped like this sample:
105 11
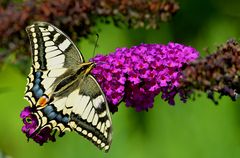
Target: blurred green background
196 129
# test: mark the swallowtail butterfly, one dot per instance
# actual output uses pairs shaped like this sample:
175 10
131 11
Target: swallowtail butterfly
62 90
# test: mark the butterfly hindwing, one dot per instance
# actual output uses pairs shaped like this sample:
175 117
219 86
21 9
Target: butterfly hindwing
74 102
92 118
88 113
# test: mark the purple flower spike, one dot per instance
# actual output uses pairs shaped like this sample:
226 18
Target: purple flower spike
136 75
30 126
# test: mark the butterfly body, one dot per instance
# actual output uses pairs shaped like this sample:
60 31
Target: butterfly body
62 90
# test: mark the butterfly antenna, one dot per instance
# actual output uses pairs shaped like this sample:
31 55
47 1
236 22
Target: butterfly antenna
95 45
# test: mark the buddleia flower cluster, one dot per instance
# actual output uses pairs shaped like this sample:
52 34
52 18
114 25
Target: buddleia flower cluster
76 18
136 75
216 73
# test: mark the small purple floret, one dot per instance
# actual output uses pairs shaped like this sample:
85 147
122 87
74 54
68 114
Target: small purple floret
30 125
136 75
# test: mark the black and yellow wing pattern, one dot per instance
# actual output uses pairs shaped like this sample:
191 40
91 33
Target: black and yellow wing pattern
65 97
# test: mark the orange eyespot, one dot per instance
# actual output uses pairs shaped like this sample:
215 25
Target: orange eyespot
42 101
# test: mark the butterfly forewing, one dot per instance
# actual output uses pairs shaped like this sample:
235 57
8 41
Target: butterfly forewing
51 48
82 105
52 54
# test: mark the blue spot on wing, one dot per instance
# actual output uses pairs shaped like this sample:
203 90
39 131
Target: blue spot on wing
37 81
38 74
37 88
52 115
65 119
48 109
59 118
39 93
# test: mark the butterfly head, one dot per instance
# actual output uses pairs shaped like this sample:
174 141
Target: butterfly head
85 68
